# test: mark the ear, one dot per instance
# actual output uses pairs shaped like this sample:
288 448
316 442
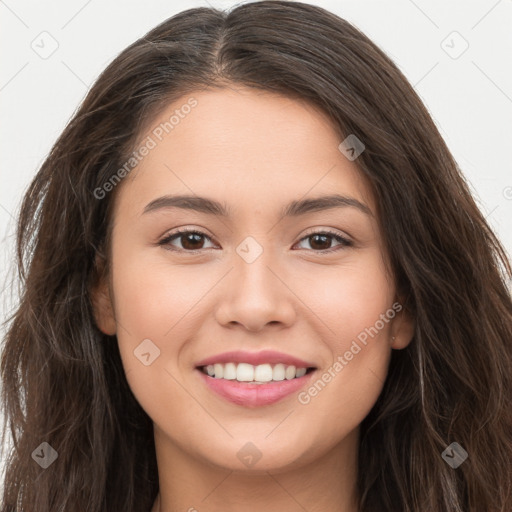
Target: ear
102 301
402 328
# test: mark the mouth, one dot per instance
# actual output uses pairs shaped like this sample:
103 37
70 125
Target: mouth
251 374
254 386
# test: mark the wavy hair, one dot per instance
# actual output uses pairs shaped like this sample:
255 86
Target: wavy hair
63 380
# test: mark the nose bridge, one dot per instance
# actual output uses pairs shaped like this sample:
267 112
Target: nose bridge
255 295
252 261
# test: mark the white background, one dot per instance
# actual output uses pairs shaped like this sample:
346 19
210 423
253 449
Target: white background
469 97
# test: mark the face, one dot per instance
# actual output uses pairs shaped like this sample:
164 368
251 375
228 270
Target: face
276 278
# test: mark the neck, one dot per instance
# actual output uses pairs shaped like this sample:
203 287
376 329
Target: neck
189 484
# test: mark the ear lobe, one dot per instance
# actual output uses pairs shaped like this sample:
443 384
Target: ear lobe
102 303
402 330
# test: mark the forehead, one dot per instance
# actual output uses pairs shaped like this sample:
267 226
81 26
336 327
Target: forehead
244 147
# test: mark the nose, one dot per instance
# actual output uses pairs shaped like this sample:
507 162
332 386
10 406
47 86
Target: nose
256 295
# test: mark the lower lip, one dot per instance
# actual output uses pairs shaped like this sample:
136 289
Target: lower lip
254 395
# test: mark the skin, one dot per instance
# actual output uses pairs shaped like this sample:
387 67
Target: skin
254 151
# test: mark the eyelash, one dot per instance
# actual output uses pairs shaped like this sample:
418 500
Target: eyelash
344 242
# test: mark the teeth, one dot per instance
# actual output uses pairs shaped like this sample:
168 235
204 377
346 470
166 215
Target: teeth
244 372
301 372
263 373
230 372
278 372
219 371
291 371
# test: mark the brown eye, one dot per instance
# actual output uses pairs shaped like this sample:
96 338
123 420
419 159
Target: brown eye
321 241
190 240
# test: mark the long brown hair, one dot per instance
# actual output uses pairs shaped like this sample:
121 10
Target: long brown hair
63 381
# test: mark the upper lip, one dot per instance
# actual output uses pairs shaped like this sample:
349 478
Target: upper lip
256 358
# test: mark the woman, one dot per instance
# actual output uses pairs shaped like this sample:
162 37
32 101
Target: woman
255 279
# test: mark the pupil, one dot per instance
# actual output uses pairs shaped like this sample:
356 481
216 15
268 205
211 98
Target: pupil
324 239
196 237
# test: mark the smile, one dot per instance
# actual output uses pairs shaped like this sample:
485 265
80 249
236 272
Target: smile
261 374
251 393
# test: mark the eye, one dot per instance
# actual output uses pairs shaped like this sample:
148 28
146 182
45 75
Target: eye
321 239
191 240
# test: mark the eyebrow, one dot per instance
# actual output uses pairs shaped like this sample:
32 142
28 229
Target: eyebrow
292 209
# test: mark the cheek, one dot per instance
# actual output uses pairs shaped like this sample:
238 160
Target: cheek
354 309
152 296
347 298
154 308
